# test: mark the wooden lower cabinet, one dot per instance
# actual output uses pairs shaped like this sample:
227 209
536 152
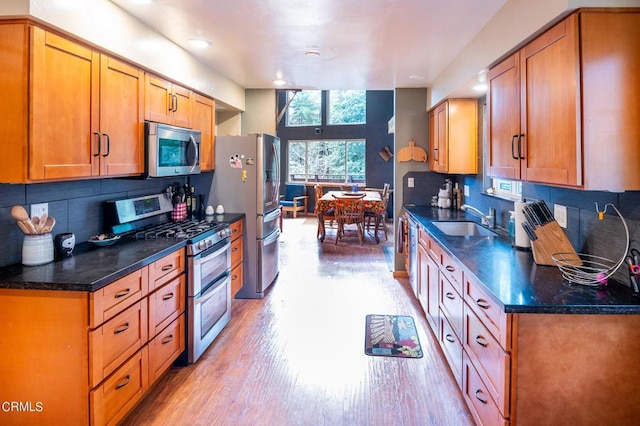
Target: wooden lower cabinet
237 256
80 358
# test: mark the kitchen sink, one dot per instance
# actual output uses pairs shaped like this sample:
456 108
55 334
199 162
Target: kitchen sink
464 229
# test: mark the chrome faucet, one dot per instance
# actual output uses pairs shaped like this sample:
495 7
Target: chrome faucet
487 220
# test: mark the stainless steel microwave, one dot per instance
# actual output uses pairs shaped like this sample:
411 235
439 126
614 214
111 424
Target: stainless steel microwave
171 150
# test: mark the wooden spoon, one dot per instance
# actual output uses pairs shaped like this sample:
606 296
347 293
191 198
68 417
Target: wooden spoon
23 227
51 222
20 214
42 221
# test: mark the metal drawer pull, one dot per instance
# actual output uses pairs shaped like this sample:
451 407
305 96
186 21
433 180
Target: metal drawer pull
167 296
449 338
234 277
483 303
234 249
122 293
167 339
125 327
482 341
450 268
126 381
167 267
450 295
478 394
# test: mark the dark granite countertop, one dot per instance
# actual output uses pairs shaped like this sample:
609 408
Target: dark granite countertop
90 267
513 277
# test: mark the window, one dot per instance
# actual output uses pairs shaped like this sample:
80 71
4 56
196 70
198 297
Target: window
347 107
503 188
339 161
305 109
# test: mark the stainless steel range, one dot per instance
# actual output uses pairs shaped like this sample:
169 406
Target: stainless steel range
208 261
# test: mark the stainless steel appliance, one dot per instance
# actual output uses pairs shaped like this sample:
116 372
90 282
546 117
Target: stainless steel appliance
171 150
208 253
247 180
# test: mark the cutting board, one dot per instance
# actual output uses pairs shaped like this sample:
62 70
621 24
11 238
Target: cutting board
412 152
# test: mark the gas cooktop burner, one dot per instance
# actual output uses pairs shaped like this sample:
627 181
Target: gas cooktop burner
184 229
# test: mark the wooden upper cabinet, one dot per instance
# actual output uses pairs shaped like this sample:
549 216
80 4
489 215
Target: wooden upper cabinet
121 118
75 113
561 108
204 119
453 143
533 110
168 103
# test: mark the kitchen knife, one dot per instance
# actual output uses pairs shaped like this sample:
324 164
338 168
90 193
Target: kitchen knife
547 213
527 228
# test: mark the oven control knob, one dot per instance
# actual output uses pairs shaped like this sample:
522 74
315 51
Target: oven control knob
224 233
202 245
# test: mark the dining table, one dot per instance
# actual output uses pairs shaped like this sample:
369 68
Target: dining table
373 204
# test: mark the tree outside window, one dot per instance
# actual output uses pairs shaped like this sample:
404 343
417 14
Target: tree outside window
338 161
347 107
305 109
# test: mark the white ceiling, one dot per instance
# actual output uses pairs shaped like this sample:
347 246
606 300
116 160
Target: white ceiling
363 44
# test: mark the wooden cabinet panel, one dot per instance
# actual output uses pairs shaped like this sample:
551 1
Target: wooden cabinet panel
483 409
492 363
452 270
64 88
116 340
166 102
165 348
451 347
111 401
236 229
237 257
167 268
121 118
236 252
489 312
236 279
165 304
115 297
454 144
451 304
204 119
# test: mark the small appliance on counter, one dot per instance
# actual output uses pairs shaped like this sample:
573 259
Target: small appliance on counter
64 244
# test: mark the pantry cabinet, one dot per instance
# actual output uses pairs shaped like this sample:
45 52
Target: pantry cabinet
204 119
453 138
560 108
167 102
89 357
72 112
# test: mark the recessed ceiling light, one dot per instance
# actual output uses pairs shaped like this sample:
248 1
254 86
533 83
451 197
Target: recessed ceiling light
416 77
480 87
279 82
198 43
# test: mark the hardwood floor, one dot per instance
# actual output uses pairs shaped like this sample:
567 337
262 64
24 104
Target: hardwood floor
297 357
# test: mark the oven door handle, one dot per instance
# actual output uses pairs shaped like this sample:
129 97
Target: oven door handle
212 252
212 290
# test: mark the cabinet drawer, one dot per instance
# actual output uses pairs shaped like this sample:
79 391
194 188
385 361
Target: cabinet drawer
236 279
482 407
115 297
452 270
165 269
489 312
165 348
451 304
491 361
116 340
111 401
452 349
430 245
165 304
236 252
236 229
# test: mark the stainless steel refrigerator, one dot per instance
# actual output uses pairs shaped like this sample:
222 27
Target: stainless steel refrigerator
247 180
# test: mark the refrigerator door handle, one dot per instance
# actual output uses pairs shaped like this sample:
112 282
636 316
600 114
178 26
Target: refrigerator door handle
276 178
271 238
273 215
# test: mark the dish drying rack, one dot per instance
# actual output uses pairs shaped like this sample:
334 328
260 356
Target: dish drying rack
588 269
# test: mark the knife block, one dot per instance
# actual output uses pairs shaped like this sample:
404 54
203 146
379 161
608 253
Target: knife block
551 239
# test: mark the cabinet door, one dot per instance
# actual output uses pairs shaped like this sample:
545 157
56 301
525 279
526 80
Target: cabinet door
441 134
550 121
64 92
432 140
182 106
428 287
157 99
204 118
121 118
503 118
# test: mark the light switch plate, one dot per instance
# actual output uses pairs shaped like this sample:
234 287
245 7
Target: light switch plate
410 182
466 190
560 214
39 209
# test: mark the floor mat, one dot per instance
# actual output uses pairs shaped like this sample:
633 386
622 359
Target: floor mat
391 335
